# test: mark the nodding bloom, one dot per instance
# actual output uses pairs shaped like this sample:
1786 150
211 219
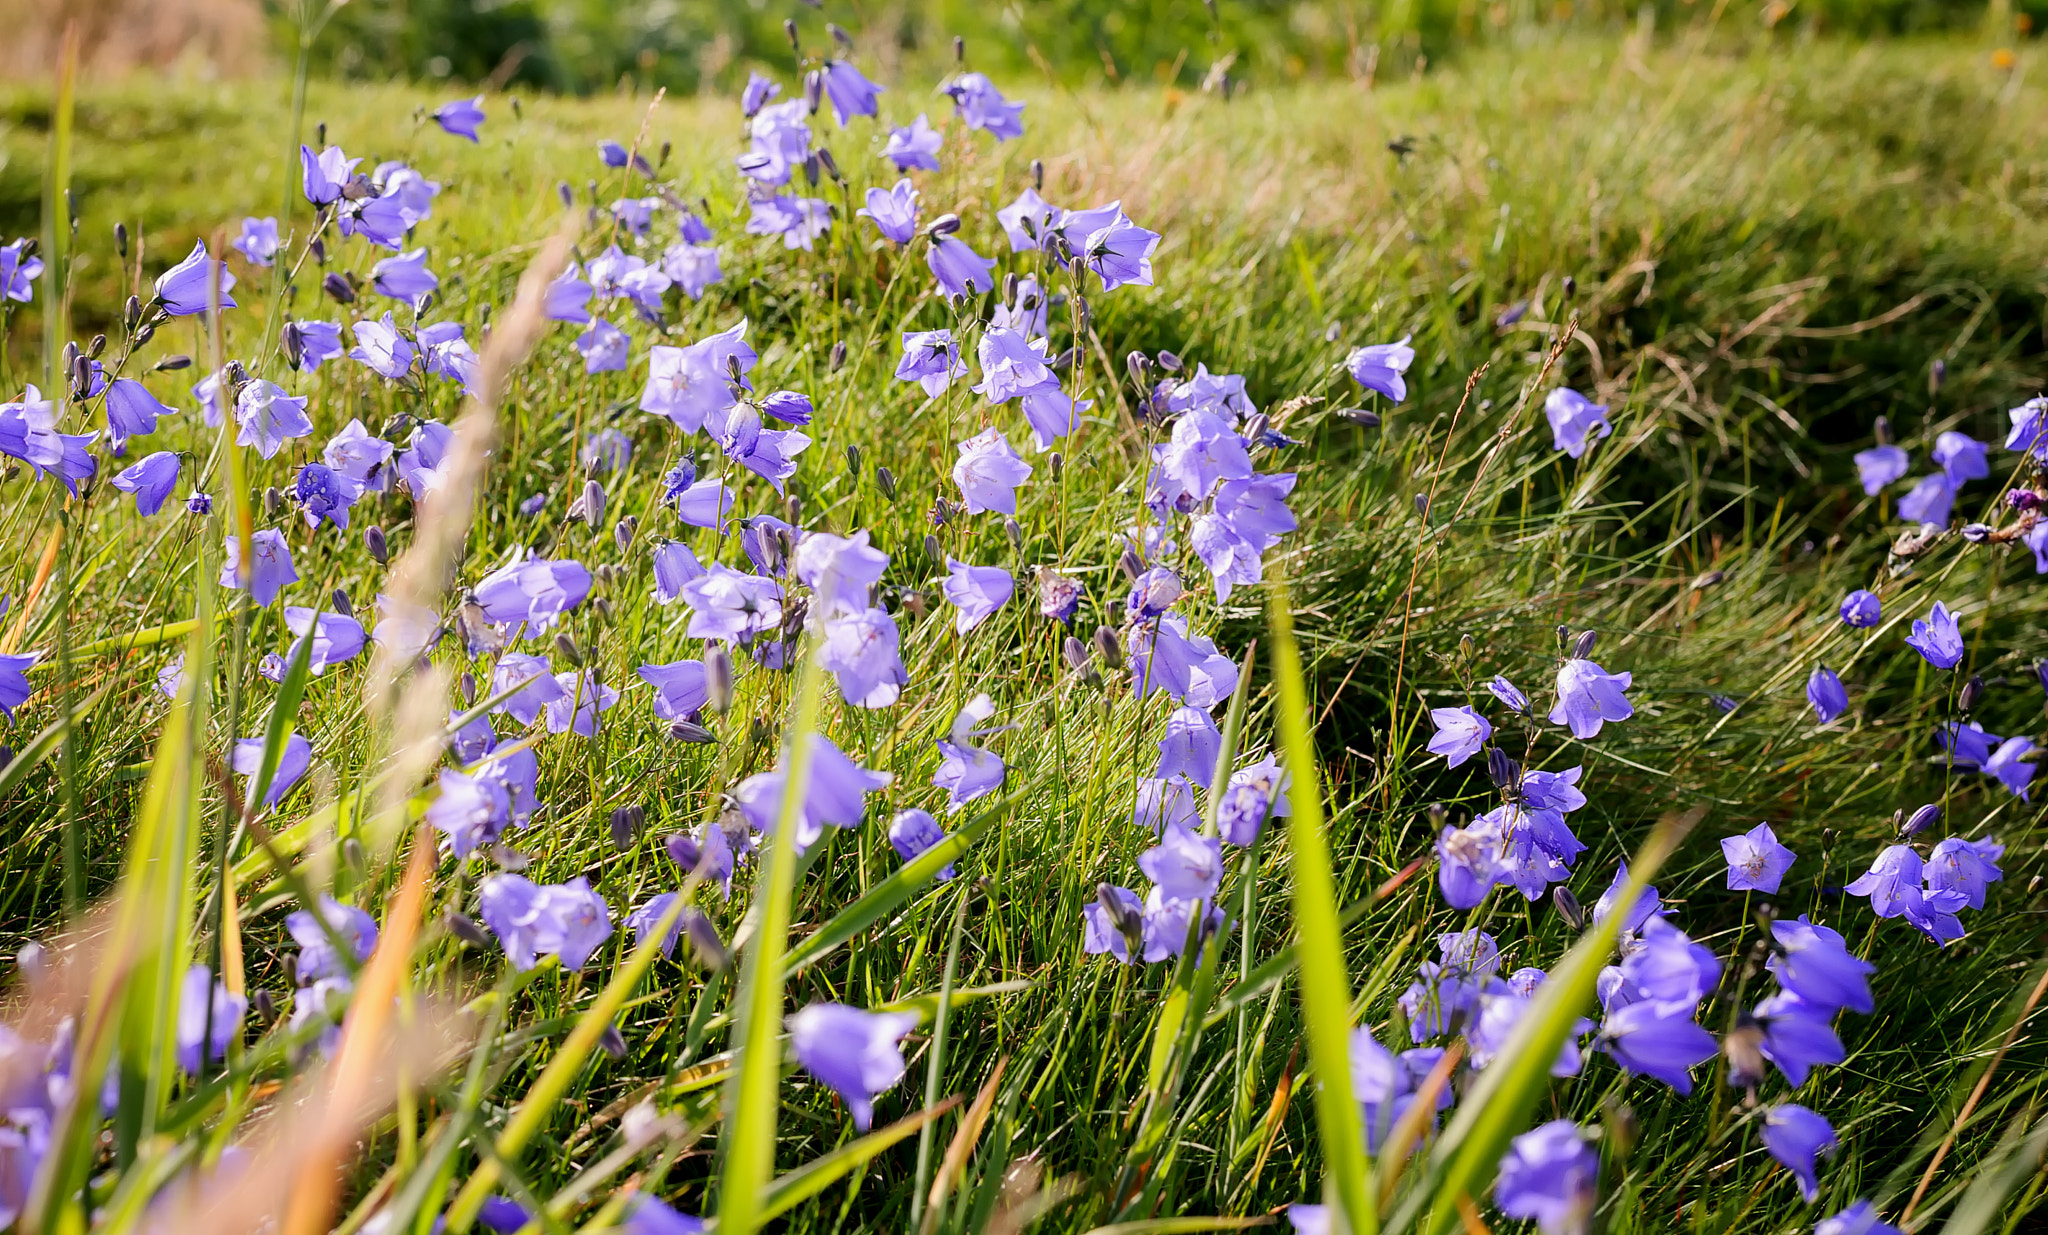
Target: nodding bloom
1647 1039
1825 692
612 154
1639 911
778 141
1505 691
636 214
692 267
1937 638
1153 593
758 91
1961 457
768 453
1589 696
1027 313
1468 862
325 175
914 831
131 411
893 212
1241 815
1573 421
577 709
566 920
798 220
293 758
1460 734
2007 763
679 691
604 347
2030 428
535 592
931 359
1965 867
835 793
268 417
1550 1174
1167 920
850 93
1929 501
14 687
182 290
446 354
1190 748
1667 969
1162 804
381 348
18 277
960 270
150 480
567 297
258 241
841 571
523 705
318 957
1012 365
1969 745
1795 1136
1881 466
1857 1219
270 571
862 650
1756 861
209 1018
1184 866
1814 963
1120 252
461 117
1797 1036
914 145
1381 367
1861 609
1112 922
975 592
693 385
981 106
988 472
967 771
852 1051
1163 656
1026 220
405 277
705 503
337 639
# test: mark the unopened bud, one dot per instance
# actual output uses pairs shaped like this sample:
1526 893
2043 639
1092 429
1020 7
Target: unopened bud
131 313
342 604
1973 693
1506 773
691 732
567 194
97 347
1937 373
838 357
1014 532
464 927
172 363
1571 286
1055 463
1109 648
1466 647
945 225
121 239
625 824
1129 563
1882 429
718 678
338 288
789 32
567 647
933 551
959 50
830 164
1921 820
373 540
1038 174
467 685
1568 908
885 480
613 1042
294 339
839 34
1582 647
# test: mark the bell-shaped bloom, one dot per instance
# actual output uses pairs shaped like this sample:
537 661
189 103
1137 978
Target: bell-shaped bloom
855 1053
800 221
1857 1219
131 411
1120 252
1102 926
462 117
862 650
404 277
1052 414
525 704
1797 1036
850 93
318 957
1636 913
1969 745
1026 220
567 920
354 453
446 354
1382 367
535 592
269 572
931 359
1190 748
583 700
1460 734
326 174
1441 997
1930 500
2008 764
1795 1136
758 91
704 503
2030 428
1162 804
674 565
324 493
1814 963
1647 1040
1167 921
1965 867
841 571
679 692
567 298
636 214
18 277
694 385
725 604
1825 692
209 1018
914 831
692 267
960 270
604 348
293 758
268 417
981 106
1059 596
835 793
1588 697
1506 691
1185 866
1163 656
967 771
14 684
1961 457
1880 467
258 241
1937 638
975 592
337 638
1861 609
1576 422
1756 861
1012 365
914 145
1468 863
1666 969
182 290
150 481
988 472
1550 1174
893 212
779 140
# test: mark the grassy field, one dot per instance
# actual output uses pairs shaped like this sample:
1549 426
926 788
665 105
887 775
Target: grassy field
1761 257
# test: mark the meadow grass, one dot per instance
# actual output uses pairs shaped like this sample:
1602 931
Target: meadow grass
1758 257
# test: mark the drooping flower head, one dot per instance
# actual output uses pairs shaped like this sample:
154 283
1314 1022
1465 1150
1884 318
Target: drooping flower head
1588 697
1825 692
915 145
183 289
853 1051
1382 367
981 106
1795 1136
1550 1174
1576 422
462 117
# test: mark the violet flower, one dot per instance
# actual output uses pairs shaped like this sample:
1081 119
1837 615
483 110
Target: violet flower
1937 638
1647 1040
604 348
1012 365
1460 734
852 1051
912 832
1185 866
705 503
1961 457
988 473
1795 1136
360 457
382 348
1382 367
693 385
337 638
405 277
524 705
850 93
583 699
131 412
931 359
1103 933
535 592
1550 1174
1797 1037
960 270
967 771
1880 467
17 277
461 117
1573 417
1588 697
1120 252
1756 861
1163 656
182 290
679 692
1969 745
1026 220
800 221
318 957
446 354
779 140
674 565
914 145
1857 1219
1814 963
14 684
271 566
324 175
567 297
862 651
150 480
1966 867
568 921
2030 428
1861 609
981 106
1929 501
692 267
1167 921
1825 692
835 793
2007 763
209 1019
293 758
841 571
1468 863
257 241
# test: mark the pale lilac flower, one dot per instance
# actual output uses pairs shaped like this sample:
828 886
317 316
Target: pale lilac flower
1638 912
131 412
568 920
405 277
2030 428
758 91
914 145
150 480
524 705
583 699
1572 418
423 462
446 354
360 457
1190 748
725 604
1880 467
209 1019
323 176
319 342
1892 883
567 297
470 811
1505 691
1929 501
779 139
1795 1136
1026 220
692 267
975 592
1100 931
258 241
1167 921
1153 593
1825 692
1184 866
381 348
636 214
674 565
679 692
1860 609
798 220
1938 640
337 639
967 771
1588 697
268 417
1460 734
1059 596
693 385
1756 861
461 117
1163 804
988 473
17 277
1550 1174
535 593
912 832
835 793
182 290
1012 365
605 348
981 106
1164 656
861 650
1382 367
318 957
271 571
293 758
850 93
705 503
1120 252
1961 457
1965 867
841 571
960 270
1468 862
853 1052
931 359
1814 963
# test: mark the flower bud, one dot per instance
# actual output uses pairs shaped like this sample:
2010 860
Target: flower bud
1921 820
294 341
131 313
373 540
853 459
1055 463
838 357
613 1042
567 647
691 732
1422 505
1129 563
789 32
1466 647
567 194
1571 286
1506 773
1712 578
1010 287
1076 654
589 505
1038 174
945 225
705 944
839 34
338 288
959 50
1882 430
1567 906
1014 532
625 823
1582 647
121 238
1973 693
1937 373
1137 364
318 248
95 349
933 551
1976 533
885 480
718 678
1109 648
171 364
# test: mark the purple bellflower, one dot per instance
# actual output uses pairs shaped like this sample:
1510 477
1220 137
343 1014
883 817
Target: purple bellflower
862 650
150 480
1573 421
1382 367
337 638
524 705
1815 964
835 793
268 417
405 277
1190 748
462 117
1795 1136
679 692
1756 861
583 700
692 267
257 241
1460 734
1861 609
1026 220
841 571
931 359
1930 500
293 758
1880 467
566 920
758 91
800 221
914 831
850 93
131 412
854 1052
988 473
914 145
975 592
567 298
1012 365
1588 696
18 277
381 348
1961 457
893 212
1120 252
1825 692
1965 867
471 811
1550 1174
270 571
1937 638
2007 763
1505 691
14 684
182 290
203 1002
1647 1040
604 348
1797 1036
2030 428
317 955
960 270
981 106
967 771
535 593
693 385
323 176
1857 1219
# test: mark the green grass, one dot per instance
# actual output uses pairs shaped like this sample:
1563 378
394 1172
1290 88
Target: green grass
1733 227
